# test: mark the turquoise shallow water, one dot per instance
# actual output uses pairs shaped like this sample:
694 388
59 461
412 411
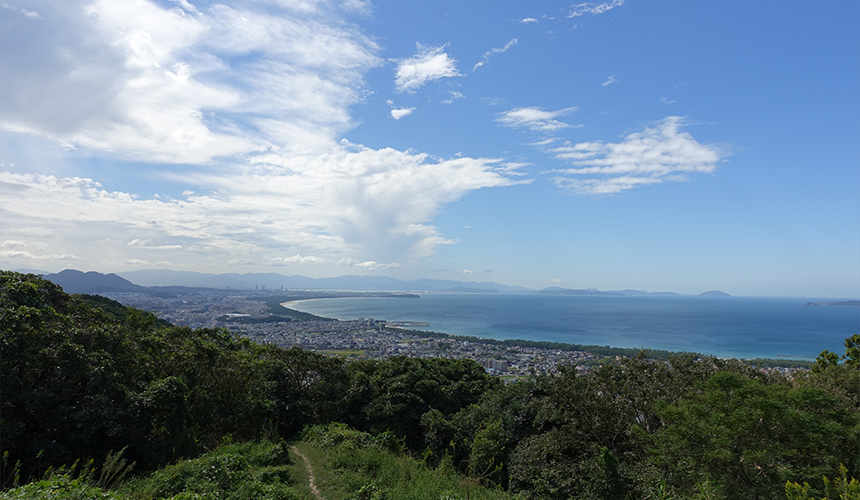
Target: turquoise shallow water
726 327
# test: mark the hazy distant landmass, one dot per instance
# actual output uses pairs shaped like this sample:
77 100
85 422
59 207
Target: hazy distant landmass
637 293
171 282
74 281
464 289
275 280
554 290
165 281
841 303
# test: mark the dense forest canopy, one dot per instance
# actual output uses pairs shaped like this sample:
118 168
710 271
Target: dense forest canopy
83 377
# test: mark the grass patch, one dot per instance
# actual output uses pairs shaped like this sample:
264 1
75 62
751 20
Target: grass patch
233 472
344 353
349 464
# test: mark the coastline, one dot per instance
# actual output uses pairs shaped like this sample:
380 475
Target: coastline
754 328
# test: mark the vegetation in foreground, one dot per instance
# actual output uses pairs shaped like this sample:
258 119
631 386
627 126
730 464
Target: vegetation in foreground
81 382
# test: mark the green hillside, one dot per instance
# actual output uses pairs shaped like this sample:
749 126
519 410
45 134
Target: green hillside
206 414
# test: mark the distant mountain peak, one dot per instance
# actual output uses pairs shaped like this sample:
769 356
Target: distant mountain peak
74 281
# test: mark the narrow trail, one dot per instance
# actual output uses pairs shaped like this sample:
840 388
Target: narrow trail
310 470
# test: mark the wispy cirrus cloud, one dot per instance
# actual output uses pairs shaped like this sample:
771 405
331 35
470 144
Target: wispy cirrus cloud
535 118
29 14
658 153
24 254
453 95
486 57
610 80
582 9
430 63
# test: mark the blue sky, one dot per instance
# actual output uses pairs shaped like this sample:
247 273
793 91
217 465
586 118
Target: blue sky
681 146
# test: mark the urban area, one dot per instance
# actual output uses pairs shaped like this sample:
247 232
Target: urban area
253 316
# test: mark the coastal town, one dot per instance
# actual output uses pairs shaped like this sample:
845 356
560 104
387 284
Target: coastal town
251 316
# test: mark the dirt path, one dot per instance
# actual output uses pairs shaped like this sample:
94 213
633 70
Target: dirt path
310 469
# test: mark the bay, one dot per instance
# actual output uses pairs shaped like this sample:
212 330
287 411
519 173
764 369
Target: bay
738 327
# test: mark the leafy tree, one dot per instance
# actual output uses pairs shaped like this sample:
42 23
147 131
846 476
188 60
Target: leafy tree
306 388
825 360
68 374
852 351
841 488
393 394
748 436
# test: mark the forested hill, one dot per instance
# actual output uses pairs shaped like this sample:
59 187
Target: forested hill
82 377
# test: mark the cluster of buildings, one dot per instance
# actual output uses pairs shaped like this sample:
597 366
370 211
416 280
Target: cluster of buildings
357 339
249 315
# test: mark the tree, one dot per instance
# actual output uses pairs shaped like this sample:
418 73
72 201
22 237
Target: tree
749 437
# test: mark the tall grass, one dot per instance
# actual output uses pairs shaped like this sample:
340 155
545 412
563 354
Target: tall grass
352 465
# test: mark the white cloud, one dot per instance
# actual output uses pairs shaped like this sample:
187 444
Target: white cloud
667 101
304 259
582 9
258 94
486 57
399 113
24 254
176 85
430 63
529 20
660 153
609 80
454 95
137 242
535 119
351 202
30 14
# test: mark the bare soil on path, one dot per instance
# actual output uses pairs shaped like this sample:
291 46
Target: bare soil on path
310 470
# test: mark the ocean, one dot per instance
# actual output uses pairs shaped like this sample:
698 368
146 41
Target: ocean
737 327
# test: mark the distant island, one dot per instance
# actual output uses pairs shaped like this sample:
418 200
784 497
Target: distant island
842 303
714 293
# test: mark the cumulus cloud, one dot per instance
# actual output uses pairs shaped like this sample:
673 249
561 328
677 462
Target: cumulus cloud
486 57
659 153
179 85
430 63
371 206
536 119
582 9
399 113
245 103
529 20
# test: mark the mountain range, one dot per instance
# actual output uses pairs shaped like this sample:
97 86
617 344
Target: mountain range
149 281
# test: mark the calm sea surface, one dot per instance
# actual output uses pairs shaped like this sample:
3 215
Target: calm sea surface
726 327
